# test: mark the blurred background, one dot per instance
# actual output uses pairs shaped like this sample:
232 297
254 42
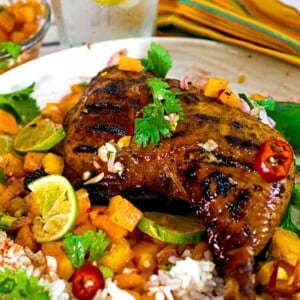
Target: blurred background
46 26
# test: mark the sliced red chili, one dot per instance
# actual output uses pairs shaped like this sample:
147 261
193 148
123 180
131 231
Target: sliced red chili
273 160
86 281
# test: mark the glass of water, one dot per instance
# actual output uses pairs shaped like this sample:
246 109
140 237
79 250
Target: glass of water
86 21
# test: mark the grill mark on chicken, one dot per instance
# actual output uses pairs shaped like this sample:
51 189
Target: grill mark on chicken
230 162
241 143
205 118
103 128
238 125
215 185
104 107
189 98
237 208
85 149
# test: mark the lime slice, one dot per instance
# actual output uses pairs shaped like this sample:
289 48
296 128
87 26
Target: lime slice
41 134
109 2
121 3
6 144
58 207
175 229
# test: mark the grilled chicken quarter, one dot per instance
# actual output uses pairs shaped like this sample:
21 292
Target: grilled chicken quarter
240 210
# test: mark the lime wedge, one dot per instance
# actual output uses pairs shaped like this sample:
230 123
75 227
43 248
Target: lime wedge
6 144
175 229
58 207
41 134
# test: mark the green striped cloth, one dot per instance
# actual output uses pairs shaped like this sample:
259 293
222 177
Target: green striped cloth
266 26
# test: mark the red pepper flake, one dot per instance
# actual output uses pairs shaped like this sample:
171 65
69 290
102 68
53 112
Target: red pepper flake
273 160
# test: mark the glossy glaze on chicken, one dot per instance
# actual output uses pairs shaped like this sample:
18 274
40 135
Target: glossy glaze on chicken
240 209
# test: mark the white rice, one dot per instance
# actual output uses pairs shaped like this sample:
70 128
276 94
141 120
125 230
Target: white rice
14 256
188 279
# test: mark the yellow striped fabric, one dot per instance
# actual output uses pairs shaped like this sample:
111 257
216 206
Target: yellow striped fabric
266 26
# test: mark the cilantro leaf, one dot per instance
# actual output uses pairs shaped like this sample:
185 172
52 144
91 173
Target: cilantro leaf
18 285
98 245
268 103
154 122
13 49
21 104
2 176
91 244
149 129
158 60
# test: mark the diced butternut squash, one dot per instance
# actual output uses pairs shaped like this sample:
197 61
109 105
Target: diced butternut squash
33 205
7 22
64 266
11 189
24 14
134 294
130 64
83 227
96 210
18 37
144 255
123 213
113 230
3 35
118 255
148 296
54 112
84 206
17 207
214 86
11 165
53 164
129 281
29 28
25 238
8 123
285 245
33 161
228 97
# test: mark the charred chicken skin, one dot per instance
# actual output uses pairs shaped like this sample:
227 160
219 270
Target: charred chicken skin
240 209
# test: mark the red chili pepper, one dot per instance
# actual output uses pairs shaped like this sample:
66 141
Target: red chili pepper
86 281
273 160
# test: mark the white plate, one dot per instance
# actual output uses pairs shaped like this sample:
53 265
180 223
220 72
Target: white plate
196 58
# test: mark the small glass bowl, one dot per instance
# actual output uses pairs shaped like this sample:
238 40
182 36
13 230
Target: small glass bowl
31 47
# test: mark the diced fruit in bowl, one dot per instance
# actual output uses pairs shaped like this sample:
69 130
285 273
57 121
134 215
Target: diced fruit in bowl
23 25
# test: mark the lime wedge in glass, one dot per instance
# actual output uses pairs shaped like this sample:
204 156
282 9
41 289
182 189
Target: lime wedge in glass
58 207
41 134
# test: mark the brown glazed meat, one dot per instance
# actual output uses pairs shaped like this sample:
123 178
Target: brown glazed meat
240 210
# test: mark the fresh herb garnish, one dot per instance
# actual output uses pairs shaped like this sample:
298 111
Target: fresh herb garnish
20 104
159 60
91 243
18 285
11 48
268 103
154 122
291 219
2 176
